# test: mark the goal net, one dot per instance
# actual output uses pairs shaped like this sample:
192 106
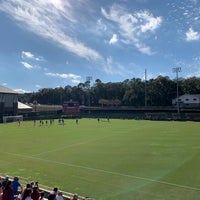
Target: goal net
17 118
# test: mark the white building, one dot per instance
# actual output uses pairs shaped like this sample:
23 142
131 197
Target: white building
187 100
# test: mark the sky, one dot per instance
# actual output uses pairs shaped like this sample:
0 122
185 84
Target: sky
55 43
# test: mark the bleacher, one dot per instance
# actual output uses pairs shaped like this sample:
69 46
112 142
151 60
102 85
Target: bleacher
45 189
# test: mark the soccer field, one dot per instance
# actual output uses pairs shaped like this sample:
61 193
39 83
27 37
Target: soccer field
120 159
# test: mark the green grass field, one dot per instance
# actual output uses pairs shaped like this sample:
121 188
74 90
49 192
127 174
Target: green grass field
123 159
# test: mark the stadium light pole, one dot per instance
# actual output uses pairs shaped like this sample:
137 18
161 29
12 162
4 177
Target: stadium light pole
145 76
88 79
177 70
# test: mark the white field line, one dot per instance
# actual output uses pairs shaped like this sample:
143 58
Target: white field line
71 145
109 172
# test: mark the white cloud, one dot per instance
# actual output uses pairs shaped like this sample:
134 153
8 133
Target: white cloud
192 35
27 65
189 68
101 26
21 91
108 66
29 55
194 1
134 27
26 54
73 77
143 48
48 19
114 39
75 81
38 86
112 67
192 67
148 22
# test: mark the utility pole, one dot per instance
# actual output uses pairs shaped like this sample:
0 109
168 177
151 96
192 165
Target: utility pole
177 70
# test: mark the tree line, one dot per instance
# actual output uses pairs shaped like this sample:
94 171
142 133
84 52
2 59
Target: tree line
131 92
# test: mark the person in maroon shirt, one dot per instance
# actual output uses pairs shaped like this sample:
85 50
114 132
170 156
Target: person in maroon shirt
36 193
8 193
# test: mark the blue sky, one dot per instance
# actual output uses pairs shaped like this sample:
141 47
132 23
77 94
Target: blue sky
54 43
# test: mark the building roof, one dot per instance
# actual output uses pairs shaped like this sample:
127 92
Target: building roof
6 90
196 95
188 95
22 106
192 95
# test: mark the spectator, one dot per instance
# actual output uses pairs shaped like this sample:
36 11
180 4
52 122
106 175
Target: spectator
28 186
35 194
27 194
5 181
75 197
42 196
1 190
15 185
32 184
52 195
19 196
59 196
8 192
